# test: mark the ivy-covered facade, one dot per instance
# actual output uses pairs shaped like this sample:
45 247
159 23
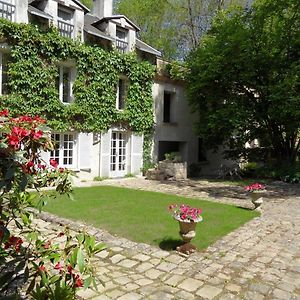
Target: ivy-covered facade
95 82
97 100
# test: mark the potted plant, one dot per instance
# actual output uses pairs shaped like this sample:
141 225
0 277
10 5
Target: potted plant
255 190
187 217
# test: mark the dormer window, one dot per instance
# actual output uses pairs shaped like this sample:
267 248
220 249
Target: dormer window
121 40
7 9
65 21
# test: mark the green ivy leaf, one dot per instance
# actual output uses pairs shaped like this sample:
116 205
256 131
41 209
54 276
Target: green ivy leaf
80 260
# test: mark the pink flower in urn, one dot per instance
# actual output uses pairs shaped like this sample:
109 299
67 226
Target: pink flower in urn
185 213
255 187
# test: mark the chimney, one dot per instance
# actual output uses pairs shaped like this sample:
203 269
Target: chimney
102 8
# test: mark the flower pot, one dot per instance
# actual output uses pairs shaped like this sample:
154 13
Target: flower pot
256 199
187 232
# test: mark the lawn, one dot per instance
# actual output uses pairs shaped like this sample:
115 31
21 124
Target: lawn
143 216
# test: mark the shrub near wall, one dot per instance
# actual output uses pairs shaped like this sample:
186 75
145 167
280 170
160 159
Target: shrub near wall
33 75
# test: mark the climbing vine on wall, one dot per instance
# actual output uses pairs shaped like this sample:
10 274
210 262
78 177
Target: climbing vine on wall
33 74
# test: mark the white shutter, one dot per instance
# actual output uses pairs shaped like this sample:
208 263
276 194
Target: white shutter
136 153
85 141
105 154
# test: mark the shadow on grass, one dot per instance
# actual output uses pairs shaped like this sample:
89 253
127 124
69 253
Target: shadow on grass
168 243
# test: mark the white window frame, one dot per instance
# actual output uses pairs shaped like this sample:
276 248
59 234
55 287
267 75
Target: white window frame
68 22
123 41
126 86
11 8
71 80
61 150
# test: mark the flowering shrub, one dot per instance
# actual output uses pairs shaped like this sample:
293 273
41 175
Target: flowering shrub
29 263
255 187
185 213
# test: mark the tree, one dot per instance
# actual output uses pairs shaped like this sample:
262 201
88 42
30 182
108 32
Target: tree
172 26
244 78
87 3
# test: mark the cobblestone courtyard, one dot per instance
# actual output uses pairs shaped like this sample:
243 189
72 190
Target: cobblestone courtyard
260 260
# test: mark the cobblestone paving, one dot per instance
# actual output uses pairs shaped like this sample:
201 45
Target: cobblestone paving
260 260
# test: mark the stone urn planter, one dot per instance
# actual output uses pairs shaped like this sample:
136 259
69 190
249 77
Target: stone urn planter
187 217
257 199
187 231
256 191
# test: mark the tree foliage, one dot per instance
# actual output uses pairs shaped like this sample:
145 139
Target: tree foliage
172 26
244 78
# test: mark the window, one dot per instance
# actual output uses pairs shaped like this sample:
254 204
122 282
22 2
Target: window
121 40
121 93
201 151
7 9
64 149
3 73
167 109
65 83
65 21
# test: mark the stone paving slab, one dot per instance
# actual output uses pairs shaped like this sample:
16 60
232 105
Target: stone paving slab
260 260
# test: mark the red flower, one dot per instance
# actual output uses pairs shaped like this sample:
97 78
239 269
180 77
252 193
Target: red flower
14 242
70 269
42 167
53 163
47 245
58 266
255 187
14 141
4 113
41 269
30 164
37 134
78 281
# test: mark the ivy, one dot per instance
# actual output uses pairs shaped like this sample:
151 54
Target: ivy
33 73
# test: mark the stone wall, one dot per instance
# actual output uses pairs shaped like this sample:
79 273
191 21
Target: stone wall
168 170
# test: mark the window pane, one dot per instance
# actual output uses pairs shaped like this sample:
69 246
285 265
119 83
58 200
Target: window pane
167 108
121 94
4 68
66 81
121 35
65 15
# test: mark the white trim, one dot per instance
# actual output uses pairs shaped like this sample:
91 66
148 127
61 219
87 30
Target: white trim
71 78
61 150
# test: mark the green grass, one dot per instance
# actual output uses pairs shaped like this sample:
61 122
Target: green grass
143 216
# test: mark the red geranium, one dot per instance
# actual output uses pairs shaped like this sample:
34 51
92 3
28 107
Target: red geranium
186 213
255 187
